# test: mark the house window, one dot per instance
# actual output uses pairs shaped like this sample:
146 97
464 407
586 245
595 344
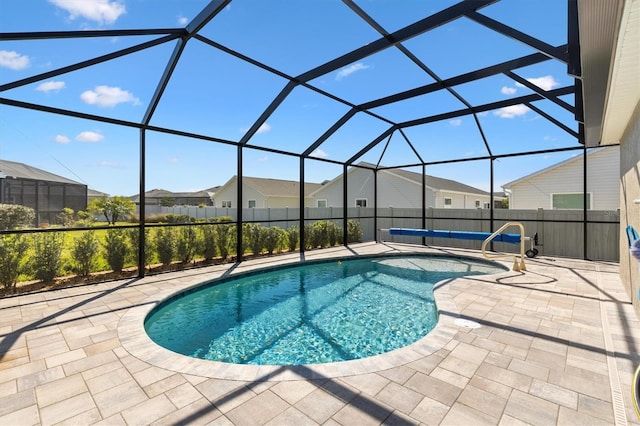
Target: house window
252 204
226 204
361 202
321 203
569 201
447 203
486 205
477 204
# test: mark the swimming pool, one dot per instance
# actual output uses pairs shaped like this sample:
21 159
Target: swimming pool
312 313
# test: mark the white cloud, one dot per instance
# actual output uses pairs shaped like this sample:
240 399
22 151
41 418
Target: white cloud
512 111
264 128
545 83
345 72
173 160
106 96
182 20
13 60
263 159
455 122
318 153
62 139
100 11
508 90
89 137
50 86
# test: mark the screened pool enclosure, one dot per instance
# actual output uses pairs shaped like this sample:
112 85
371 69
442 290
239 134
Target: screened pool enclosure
477 92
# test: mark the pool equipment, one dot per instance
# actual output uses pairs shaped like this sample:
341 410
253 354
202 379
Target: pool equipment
486 237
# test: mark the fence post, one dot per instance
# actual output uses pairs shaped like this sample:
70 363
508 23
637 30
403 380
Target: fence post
540 226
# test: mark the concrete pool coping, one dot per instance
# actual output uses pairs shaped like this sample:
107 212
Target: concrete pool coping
136 341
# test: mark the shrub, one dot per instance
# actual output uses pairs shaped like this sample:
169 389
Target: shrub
293 236
84 218
224 239
222 219
47 260
67 217
272 238
187 243
208 242
84 251
335 233
254 237
354 231
179 218
156 218
134 241
116 249
321 234
14 216
310 239
12 259
165 245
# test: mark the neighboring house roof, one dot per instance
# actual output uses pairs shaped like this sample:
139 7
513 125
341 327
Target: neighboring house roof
23 171
92 193
163 193
213 190
573 159
275 187
433 182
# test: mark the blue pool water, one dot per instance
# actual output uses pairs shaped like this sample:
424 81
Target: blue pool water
307 314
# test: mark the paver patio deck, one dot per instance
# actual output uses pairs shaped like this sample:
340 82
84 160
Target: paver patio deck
557 344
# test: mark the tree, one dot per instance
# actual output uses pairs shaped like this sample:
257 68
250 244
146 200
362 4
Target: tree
114 209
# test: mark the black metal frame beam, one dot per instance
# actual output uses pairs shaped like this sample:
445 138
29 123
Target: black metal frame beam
553 52
568 53
363 15
540 91
459 113
489 71
50 35
369 49
403 34
553 120
486 107
90 62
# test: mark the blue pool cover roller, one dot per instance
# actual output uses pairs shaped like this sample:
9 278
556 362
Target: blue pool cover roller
460 235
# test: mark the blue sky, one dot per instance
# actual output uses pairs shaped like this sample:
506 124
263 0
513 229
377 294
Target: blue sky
215 94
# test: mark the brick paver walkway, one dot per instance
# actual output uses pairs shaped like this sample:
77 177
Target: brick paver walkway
555 345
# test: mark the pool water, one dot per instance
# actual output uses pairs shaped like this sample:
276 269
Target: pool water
311 313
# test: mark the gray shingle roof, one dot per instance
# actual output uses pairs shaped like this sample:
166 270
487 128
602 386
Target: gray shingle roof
24 171
279 187
434 182
162 193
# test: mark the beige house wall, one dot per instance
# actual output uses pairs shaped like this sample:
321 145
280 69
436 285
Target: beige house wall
393 191
602 183
629 210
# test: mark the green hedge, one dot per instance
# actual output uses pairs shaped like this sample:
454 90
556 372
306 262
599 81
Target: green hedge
49 255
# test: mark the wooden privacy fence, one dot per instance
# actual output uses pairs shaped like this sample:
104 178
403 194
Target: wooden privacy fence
560 232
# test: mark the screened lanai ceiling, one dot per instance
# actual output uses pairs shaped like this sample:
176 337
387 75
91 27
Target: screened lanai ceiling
391 83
